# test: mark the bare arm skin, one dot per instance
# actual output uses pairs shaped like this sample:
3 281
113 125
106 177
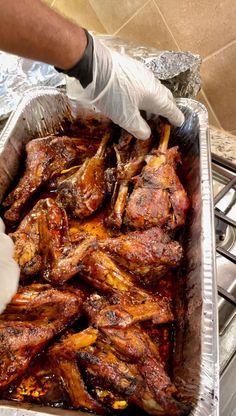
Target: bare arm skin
31 29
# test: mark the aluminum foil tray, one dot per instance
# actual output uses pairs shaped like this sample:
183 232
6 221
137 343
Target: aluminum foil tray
196 366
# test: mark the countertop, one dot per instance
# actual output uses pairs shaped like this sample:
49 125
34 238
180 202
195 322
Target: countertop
223 144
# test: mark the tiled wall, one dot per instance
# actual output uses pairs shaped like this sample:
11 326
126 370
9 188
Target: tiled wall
207 27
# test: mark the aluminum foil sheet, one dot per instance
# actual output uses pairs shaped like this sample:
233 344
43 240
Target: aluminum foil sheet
178 71
196 363
19 74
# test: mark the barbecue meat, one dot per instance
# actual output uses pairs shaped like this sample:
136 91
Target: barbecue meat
99 361
158 198
130 303
64 361
91 125
130 155
135 345
63 357
28 253
121 360
84 191
43 229
46 158
61 258
123 315
36 314
137 348
69 373
100 271
43 244
149 254
119 312
121 377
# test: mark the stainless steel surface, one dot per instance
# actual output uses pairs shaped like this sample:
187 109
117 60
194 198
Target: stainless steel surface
196 359
226 278
227 389
226 269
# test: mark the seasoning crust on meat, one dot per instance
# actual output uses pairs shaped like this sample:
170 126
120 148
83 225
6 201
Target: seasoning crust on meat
94 219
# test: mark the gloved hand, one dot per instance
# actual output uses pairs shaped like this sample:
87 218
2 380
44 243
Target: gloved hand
9 270
119 87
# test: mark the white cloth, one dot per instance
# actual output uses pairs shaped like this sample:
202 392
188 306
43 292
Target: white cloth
9 270
121 87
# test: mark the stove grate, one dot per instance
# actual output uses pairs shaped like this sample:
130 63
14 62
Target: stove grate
222 216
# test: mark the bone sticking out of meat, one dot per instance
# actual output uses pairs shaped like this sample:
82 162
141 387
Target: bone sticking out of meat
130 160
158 198
163 146
84 191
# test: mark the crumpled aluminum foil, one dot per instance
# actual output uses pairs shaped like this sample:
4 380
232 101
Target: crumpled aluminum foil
18 75
178 71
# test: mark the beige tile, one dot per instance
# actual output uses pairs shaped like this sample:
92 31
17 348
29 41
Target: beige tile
233 132
201 26
148 28
211 116
113 14
219 84
81 12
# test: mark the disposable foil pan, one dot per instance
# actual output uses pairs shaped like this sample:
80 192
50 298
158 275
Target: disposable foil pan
195 368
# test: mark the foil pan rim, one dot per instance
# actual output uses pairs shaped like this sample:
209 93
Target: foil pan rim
23 102
210 348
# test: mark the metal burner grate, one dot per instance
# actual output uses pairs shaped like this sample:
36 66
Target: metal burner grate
222 220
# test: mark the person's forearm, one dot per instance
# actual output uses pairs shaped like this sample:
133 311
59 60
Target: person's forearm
31 29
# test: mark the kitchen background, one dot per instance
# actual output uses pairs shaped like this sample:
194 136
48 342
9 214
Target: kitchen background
205 27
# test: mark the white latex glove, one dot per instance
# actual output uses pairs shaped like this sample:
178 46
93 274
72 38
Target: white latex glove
9 270
121 87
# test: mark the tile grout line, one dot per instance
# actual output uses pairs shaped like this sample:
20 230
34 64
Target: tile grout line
133 15
102 24
219 50
210 107
166 24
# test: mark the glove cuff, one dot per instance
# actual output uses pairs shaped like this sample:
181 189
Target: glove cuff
83 69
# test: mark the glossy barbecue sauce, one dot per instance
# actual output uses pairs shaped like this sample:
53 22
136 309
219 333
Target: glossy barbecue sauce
39 383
